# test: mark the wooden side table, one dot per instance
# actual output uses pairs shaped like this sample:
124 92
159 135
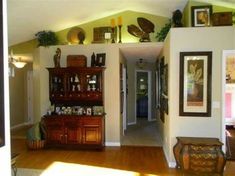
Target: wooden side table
199 155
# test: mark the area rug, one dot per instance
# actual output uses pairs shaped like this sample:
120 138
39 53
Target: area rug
28 172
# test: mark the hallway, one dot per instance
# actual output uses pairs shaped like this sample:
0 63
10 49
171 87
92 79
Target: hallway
144 133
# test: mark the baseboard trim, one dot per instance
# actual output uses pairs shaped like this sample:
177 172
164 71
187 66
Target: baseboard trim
170 164
20 125
151 120
131 123
112 144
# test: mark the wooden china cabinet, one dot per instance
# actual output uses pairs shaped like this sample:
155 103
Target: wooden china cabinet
78 117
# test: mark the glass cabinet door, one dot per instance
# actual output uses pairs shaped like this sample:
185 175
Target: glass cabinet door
74 82
93 82
57 88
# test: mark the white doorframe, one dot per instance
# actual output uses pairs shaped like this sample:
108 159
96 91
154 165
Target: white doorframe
223 88
30 97
149 94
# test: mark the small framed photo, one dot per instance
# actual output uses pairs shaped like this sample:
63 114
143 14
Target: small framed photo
80 111
88 111
100 59
201 16
98 110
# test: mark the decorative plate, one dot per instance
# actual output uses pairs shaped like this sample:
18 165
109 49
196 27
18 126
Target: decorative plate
76 35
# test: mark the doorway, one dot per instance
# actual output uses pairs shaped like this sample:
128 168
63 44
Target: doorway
228 102
144 131
143 92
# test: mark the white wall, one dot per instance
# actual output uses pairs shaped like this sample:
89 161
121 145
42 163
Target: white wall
5 159
44 58
164 128
213 39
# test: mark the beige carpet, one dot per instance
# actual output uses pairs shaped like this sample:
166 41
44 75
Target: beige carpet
28 172
144 133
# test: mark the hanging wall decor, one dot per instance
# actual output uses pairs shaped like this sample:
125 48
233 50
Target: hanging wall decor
195 84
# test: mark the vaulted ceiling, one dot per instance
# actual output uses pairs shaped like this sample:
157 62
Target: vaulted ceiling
26 17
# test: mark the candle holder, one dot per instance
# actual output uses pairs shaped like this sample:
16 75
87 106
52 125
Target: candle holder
120 33
113 34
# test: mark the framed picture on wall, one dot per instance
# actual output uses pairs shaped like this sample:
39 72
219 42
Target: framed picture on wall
195 83
164 80
201 16
100 59
157 84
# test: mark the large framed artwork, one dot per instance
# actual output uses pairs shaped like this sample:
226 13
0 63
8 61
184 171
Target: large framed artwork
195 84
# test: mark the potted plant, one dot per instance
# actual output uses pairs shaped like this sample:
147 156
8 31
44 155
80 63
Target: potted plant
161 35
46 38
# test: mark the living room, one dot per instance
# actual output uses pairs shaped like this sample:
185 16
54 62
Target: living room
214 39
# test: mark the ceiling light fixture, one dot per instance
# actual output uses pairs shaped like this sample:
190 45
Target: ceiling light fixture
140 63
16 61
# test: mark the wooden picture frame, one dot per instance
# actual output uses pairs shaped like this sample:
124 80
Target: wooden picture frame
100 59
88 111
195 84
161 94
99 34
158 94
201 16
229 57
164 80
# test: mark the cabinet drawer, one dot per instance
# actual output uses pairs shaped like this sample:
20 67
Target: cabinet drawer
93 121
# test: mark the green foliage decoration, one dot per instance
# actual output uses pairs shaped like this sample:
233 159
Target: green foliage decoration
46 38
161 35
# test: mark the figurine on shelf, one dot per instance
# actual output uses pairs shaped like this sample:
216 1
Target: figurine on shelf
93 87
88 87
78 87
73 89
76 79
176 18
57 57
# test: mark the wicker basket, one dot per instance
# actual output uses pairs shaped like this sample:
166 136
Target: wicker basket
36 144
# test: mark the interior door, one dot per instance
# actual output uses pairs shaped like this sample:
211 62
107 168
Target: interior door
142 94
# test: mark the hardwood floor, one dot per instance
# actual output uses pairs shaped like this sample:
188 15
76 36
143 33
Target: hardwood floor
143 160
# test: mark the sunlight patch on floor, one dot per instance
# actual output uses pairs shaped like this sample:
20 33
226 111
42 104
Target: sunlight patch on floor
70 169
